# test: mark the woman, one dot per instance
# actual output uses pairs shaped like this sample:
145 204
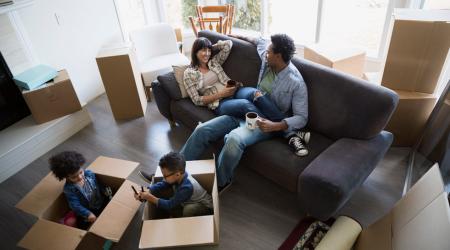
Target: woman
206 81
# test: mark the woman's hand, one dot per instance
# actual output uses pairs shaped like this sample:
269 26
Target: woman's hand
226 92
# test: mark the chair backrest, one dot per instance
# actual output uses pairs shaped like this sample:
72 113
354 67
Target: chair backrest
154 40
217 18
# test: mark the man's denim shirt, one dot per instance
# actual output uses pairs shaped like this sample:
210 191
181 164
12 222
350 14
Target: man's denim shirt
289 91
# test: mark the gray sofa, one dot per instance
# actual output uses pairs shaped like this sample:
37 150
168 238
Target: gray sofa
346 119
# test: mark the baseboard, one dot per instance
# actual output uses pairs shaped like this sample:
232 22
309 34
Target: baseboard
25 141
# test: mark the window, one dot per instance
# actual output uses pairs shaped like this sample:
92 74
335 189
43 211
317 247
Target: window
355 23
436 4
247 14
297 18
132 15
177 12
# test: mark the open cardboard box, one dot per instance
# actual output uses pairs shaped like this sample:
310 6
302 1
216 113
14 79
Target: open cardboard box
46 201
420 220
187 231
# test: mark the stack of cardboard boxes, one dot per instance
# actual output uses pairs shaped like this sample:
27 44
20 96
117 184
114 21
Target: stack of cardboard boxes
417 51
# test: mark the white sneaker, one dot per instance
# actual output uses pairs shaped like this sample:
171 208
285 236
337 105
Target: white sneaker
296 143
305 136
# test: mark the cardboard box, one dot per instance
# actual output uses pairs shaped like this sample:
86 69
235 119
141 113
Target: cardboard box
420 220
123 83
187 231
347 60
417 49
46 201
52 100
410 117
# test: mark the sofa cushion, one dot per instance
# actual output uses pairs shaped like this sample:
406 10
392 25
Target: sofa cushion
178 70
159 65
170 85
281 165
243 63
185 112
341 105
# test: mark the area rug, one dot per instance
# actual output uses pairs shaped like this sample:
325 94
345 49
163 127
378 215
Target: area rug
307 234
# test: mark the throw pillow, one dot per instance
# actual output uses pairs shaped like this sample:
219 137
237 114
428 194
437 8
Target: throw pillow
178 70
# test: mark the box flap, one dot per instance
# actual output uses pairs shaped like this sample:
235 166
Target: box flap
430 229
195 167
376 236
113 221
113 167
177 232
37 201
50 235
215 196
417 198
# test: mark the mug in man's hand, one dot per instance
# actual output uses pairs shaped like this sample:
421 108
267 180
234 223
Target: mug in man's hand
250 120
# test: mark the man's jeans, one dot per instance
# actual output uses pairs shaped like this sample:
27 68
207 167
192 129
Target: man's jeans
237 138
242 102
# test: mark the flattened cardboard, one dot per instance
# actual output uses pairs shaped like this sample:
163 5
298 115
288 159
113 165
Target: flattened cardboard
113 167
430 229
123 83
45 235
419 196
200 230
420 220
53 100
114 220
37 201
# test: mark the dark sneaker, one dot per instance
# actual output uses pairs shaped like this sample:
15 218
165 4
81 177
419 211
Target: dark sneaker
224 188
305 136
146 176
298 145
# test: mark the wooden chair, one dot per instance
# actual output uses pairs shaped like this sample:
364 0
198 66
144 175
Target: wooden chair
217 18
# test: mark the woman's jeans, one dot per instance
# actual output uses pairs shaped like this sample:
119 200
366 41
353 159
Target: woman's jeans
242 102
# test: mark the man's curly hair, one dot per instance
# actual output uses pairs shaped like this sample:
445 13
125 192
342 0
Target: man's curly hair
66 163
282 43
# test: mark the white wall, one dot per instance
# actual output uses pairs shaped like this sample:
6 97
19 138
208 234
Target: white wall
68 34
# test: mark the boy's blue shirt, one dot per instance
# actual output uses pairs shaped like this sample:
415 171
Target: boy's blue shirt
182 192
76 199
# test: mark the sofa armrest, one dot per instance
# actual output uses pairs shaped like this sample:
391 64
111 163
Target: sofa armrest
330 179
162 99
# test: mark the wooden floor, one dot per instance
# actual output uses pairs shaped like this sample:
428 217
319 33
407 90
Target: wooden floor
254 212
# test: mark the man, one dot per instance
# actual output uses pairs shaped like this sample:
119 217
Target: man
281 82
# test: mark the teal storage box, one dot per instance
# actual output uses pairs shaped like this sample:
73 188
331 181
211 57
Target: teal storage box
35 77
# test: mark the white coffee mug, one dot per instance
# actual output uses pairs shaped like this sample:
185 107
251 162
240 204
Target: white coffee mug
250 120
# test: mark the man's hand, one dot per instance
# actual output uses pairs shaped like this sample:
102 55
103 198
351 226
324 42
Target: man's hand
257 94
147 196
270 126
91 217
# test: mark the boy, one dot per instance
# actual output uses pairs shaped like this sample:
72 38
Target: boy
82 190
188 194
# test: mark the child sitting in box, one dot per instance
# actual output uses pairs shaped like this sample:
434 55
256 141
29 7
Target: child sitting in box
82 190
189 197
